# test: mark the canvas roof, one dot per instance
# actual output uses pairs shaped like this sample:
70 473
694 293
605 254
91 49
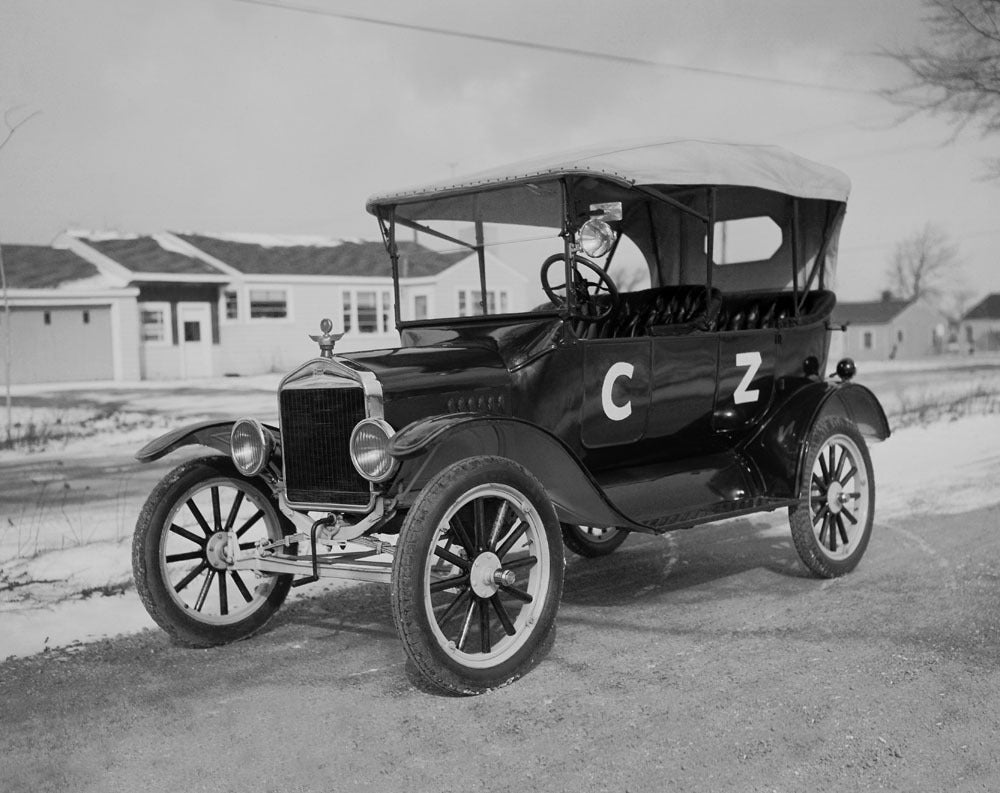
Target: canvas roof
42 267
345 258
875 312
678 162
987 308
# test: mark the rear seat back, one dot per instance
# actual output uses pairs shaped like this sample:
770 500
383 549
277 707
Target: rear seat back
757 310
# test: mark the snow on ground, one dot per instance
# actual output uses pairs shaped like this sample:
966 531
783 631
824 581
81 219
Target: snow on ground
65 596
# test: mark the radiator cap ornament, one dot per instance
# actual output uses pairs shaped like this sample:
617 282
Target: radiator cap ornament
326 340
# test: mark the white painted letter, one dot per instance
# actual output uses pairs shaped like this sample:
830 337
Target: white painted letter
611 410
752 361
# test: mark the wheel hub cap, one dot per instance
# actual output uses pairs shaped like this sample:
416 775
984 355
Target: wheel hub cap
487 575
215 550
834 500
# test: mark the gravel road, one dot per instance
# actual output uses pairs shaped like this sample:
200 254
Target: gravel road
708 660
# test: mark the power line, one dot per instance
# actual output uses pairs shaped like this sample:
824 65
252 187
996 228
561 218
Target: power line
531 45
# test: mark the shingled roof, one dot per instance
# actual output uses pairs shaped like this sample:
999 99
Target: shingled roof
42 267
345 258
874 312
145 256
987 308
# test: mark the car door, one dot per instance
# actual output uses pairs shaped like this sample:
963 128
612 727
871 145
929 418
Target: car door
745 382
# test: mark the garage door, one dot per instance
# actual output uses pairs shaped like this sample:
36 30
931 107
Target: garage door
63 344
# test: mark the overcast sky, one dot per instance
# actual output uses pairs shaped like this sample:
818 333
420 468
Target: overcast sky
231 116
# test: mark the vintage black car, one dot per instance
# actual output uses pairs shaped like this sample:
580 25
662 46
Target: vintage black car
456 466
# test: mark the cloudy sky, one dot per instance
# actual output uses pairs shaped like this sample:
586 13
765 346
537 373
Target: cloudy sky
242 116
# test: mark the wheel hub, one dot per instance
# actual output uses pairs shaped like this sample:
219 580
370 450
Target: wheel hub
487 575
834 500
216 550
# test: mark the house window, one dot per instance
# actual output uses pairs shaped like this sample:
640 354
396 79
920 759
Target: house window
420 307
86 317
268 304
231 304
47 317
899 336
154 322
366 311
470 302
869 339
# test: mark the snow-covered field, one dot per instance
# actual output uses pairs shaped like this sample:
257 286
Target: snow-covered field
58 593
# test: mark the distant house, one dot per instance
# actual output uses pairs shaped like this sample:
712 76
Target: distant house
981 325
190 305
888 329
68 320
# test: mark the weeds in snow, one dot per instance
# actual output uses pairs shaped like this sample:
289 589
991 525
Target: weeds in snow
926 409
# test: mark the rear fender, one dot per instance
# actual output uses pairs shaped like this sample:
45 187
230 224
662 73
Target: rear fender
213 434
426 447
779 448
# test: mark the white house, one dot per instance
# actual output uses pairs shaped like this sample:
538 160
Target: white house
169 305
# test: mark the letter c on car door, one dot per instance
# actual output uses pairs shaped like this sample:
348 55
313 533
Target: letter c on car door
614 411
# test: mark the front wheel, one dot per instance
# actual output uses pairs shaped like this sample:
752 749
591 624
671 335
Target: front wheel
477 576
832 522
181 553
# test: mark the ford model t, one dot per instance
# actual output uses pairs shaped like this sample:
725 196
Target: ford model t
664 366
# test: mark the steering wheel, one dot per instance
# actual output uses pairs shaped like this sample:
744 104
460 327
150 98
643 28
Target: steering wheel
585 290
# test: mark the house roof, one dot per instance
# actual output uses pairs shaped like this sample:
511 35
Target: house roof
987 308
42 267
145 256
874 312
345 258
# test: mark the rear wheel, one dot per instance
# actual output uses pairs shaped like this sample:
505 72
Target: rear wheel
181 553
832 523
592 541
477 576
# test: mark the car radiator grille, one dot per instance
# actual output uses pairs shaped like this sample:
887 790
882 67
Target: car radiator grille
316 426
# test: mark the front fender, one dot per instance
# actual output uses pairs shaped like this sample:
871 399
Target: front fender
426 447
213 434
778 448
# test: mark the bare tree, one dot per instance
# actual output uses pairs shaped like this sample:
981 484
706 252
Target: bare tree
11 128
924 265
958 73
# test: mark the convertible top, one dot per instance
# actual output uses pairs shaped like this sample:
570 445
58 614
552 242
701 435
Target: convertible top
680 162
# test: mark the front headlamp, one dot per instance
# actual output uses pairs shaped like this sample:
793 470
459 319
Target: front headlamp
250 446
370 450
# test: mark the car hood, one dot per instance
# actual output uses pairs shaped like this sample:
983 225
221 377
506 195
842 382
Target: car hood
423 381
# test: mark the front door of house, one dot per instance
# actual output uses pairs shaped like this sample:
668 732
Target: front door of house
194 325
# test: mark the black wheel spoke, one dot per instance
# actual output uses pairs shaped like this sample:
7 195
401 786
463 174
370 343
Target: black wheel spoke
235 508
185 557
819 485
524 561
479 528
502 615
190 576
449 583
216 509
520 594
466 624
823 468
833 451
850 473
187 535
238 580
823 511
453 606
485 644
462 534
832 534
840 528
847 514
497 525
840 465
448 556
203 594
517 530
246 526
223 594
199 517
